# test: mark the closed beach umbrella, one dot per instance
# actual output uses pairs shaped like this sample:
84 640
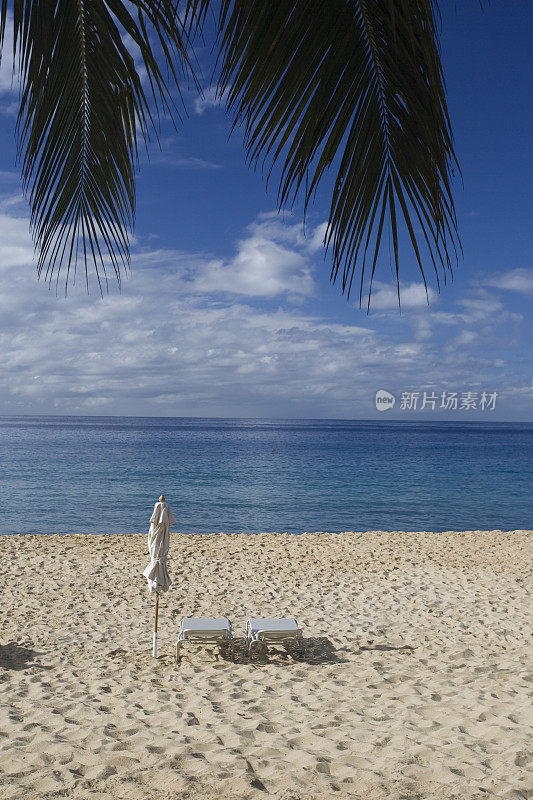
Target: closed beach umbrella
156 572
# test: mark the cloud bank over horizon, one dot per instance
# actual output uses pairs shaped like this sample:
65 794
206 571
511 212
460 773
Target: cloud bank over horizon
198 335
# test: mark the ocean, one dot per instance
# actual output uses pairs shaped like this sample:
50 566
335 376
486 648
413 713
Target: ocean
103 474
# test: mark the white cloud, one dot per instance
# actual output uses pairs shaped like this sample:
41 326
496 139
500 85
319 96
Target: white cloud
273 259
167 158
8 76
188 162
209 99
516 280
463 340
8 177
167 346
478 308
316 241
9 109
153 348
423 326
481 305
274 225
261 268
465 337
170 154
385 297
16 249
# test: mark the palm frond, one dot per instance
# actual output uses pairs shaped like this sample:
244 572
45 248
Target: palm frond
352 85
356 85
83 106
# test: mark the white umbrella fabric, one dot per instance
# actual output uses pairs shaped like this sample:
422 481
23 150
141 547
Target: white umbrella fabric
156 573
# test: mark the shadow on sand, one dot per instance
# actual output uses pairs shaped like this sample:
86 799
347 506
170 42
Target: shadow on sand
13 656
318 650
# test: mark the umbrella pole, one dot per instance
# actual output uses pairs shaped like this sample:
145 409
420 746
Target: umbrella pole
154 648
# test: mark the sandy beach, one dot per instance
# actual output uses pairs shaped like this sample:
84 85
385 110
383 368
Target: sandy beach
416 683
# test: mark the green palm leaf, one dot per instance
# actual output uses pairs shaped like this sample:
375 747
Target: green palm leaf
82 108
354 85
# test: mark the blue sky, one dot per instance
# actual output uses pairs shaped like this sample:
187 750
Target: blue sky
229 311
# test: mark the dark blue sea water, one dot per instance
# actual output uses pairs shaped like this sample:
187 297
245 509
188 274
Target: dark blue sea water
103 474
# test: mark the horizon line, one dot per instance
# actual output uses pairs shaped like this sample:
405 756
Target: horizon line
461 419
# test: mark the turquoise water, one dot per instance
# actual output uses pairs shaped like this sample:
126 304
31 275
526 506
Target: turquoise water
102 475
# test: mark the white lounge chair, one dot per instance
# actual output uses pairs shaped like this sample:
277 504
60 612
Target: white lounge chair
205 630
273 631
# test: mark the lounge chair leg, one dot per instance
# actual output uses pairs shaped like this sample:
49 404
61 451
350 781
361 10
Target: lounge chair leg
178 653
301 647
